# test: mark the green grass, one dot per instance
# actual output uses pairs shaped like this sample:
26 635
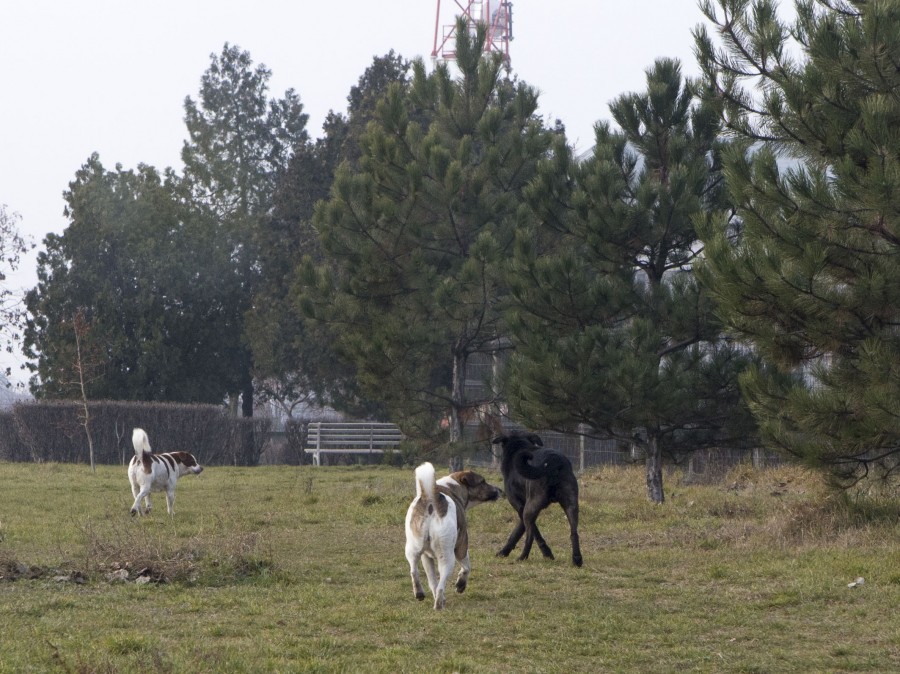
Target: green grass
285 569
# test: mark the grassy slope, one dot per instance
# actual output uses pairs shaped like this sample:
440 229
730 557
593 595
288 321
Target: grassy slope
302 570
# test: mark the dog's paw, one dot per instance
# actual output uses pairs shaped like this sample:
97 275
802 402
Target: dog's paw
461 586
576 560
503 553
420 596
133 512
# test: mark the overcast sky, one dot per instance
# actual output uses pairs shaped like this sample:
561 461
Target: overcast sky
111 76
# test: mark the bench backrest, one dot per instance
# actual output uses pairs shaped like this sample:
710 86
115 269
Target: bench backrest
350 437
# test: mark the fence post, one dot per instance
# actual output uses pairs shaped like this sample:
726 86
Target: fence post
581 448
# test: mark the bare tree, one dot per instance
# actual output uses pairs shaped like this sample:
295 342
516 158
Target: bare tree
12 246
85 368
120 436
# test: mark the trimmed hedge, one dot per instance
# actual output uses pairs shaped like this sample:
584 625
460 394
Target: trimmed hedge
52 431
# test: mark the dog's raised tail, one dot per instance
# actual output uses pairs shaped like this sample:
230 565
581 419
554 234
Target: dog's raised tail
545 464
425 481
140 441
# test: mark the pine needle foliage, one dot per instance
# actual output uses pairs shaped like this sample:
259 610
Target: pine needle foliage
414 236
611 328
806 268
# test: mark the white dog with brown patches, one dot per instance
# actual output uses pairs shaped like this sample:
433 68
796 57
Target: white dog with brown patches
156 472
436 530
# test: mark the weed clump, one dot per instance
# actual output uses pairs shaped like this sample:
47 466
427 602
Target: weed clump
154 554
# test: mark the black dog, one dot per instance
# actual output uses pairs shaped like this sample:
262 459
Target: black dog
533 478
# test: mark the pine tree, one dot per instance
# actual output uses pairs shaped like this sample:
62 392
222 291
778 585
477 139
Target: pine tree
610 326
807 270
414 237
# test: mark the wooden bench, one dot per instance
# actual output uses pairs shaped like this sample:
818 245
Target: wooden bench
334 437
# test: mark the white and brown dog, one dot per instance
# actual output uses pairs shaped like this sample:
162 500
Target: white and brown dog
156 472
436 530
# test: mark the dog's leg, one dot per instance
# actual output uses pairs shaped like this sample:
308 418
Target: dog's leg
141 495
437 578
542 544
513 538
170 500
529 539
532 533
571 510
446 561
461 552
431 573
462 580
135 490
412 556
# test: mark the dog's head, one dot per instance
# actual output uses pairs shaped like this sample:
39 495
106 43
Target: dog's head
186 463
477 489
513 442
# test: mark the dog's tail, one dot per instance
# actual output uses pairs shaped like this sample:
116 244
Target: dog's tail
425 482
140 441
549 464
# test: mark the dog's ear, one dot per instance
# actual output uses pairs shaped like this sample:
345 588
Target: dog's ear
535 439
469 479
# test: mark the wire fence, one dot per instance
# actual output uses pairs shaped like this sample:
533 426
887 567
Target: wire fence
587 453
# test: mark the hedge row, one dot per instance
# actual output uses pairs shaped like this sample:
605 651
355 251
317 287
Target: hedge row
53 431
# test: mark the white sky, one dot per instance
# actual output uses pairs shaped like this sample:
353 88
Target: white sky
110 76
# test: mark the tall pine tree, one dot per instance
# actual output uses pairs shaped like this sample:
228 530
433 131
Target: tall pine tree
610 326
415 236
807 271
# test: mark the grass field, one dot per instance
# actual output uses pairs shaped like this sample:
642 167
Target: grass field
287 569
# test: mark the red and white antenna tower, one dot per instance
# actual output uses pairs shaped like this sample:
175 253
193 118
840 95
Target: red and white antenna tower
496 14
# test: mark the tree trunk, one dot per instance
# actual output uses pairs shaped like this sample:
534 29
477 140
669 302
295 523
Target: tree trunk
247 439
653 464
457 399
247 398
81 328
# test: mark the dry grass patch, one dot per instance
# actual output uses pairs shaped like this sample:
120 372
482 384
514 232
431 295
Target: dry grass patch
154 551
